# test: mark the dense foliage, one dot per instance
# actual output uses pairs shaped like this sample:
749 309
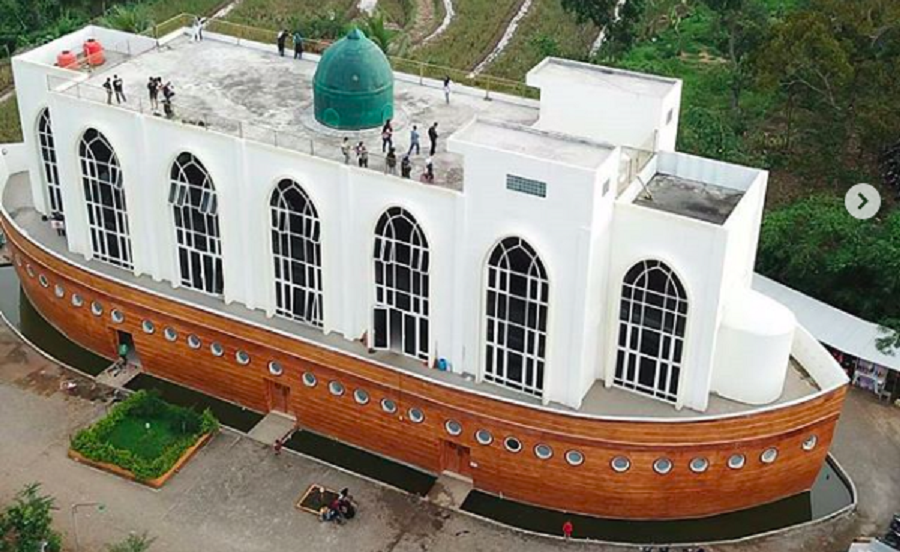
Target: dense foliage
25 526
814 246
132 543
94 442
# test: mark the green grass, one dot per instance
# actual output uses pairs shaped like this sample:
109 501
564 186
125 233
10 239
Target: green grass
144 435
274 14
398 12
132 434
161 10
547 30
10 125
475 30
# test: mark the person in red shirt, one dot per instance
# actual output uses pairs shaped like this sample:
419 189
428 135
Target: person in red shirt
567 529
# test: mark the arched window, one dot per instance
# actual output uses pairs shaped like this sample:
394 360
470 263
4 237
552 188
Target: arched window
196 208
297 251
105 200
518 294
401 284
652 318
48 160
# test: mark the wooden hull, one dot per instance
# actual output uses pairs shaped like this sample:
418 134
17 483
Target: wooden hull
591 488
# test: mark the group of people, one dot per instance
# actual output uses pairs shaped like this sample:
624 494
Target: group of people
115 85
338 510
390 152
197 29
281 41
155 87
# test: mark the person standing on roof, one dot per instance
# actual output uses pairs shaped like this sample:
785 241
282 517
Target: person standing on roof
414 141
447 89
387 136
298 45
433 137
281 40
345 150
119 89
109 90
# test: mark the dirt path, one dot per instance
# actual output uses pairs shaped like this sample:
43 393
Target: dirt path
505 39
424 21
448 18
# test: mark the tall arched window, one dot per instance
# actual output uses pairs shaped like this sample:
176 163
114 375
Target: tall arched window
196 207
401 284
105 200
297 251
652 319
518 294
48 160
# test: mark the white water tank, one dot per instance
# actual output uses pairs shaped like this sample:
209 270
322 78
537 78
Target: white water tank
753 348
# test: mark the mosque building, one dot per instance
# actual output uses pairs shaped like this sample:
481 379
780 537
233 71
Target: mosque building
563 316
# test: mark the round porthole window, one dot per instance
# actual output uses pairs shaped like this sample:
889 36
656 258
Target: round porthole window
309 379
117 316
512 444
170 334
542 451
77 301
59 291
148 327
574 458
453 427
769 455
44 281
29 270
193 341
242 358
388 406
620 464
484 437
736 461
336 388
699 465
275 368
810 443
361 396
96 308
416 416
662 466
216 349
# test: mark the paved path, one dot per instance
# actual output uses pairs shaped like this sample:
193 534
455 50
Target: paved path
236 495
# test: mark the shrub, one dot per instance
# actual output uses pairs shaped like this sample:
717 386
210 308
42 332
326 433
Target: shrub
93 442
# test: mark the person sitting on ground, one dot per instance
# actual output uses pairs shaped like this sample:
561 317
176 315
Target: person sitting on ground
428 175
346 505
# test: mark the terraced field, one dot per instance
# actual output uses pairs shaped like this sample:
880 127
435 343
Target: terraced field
547 30
475 30
274 14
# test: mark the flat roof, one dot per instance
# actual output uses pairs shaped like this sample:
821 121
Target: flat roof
251 88
600 76
552 147
600 401
689 198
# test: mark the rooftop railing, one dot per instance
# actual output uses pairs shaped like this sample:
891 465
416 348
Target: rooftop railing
489 84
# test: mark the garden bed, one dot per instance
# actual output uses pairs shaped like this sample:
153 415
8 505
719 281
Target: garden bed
144 439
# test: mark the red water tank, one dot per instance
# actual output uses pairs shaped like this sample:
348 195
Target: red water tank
67 60
93 52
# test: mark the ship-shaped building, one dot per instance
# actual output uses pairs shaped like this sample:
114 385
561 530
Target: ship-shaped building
556 304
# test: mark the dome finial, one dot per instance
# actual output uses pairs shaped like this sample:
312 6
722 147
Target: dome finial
356 34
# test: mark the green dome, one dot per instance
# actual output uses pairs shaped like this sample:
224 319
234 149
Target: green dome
354 84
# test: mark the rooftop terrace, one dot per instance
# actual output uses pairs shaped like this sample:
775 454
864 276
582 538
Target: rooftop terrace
599 401
248 90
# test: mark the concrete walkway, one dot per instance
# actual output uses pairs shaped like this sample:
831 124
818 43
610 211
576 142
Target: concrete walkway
236 495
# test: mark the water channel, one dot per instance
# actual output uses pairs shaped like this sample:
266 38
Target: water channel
830 494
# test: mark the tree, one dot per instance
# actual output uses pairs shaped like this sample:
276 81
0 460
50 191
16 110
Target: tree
374 27
25 526
619 19
132 18
134 543
743 26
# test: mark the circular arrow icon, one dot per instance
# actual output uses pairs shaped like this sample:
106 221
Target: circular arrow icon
862 201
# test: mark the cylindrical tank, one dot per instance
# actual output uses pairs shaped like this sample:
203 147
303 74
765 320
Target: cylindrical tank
93 52
67 60
753 348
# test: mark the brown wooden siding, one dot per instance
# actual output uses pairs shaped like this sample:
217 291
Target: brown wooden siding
592 488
